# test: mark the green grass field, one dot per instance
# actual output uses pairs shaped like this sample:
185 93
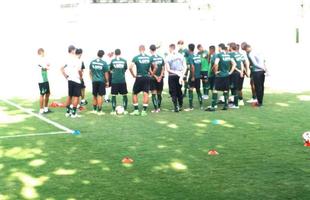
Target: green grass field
261 154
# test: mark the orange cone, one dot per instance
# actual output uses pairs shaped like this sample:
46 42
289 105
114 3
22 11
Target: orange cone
213 152
127 160
307 144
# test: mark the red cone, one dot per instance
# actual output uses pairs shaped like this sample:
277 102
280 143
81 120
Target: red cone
213 152
307 144
127 160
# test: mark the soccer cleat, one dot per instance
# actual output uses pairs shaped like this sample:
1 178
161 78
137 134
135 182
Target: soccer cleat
75 116
113 113
93 111
158 110
234 107
241 103
48 111
135 113
205 97
210 109
252 101
125 112
225 108
188 109
107 100
143 113
154 111
231 99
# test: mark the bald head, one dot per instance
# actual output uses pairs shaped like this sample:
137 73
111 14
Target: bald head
142 48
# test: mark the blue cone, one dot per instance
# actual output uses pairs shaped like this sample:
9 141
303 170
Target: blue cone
76 132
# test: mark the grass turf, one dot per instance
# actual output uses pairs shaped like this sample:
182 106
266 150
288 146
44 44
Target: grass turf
261 154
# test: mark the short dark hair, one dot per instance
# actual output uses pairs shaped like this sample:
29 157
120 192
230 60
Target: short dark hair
153 47
199 46
172 46
78 51
40 50
117 52
233 46
212 47
191 47
180 42
100 53
222 46
71 48
243 45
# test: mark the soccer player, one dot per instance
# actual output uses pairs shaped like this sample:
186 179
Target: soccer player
98 71
211 60
176 66
224 65
157 80
73 73
258 69
254 98
118 68
205 69
143 63
185 53
246 72
42 67
79 53
194 61
236 78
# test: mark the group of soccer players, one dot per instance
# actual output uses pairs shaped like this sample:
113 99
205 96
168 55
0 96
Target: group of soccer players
221 71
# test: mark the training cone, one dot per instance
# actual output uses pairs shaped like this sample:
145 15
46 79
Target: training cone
213 152
307 144
127 160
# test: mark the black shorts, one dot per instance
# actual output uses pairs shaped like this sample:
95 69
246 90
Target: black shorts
142 84
211 80
74 89
154 85
98 88
195 84
83 84
222 83
204 75
44 88
236 82
119 88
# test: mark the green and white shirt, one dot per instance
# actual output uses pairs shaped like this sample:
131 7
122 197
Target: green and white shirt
195 59
205 65
239 59
224 64
42 65
98 68
159 62
118 68
143 63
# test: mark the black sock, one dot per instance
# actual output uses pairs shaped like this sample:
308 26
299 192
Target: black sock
155 102
125 101
68 109
145 107
74 110
199 97
159 98
94 107
190 98
113 102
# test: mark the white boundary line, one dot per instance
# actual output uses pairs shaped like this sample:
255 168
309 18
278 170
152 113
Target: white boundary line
57 125
33 134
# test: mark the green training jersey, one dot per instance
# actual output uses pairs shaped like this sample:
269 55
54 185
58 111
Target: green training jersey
205 65
118 68
42 70
143 63
238 57
212 61
98 68
224 64
159 62
185 53
195 59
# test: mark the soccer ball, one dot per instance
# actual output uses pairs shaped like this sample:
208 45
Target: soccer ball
306 136
119 110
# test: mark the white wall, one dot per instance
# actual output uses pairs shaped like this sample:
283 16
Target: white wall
27 25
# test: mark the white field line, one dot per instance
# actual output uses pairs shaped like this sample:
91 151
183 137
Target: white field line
57 125
33 134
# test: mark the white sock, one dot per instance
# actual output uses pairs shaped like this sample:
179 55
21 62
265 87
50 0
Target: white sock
83 100
45 109
41 110
107 95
